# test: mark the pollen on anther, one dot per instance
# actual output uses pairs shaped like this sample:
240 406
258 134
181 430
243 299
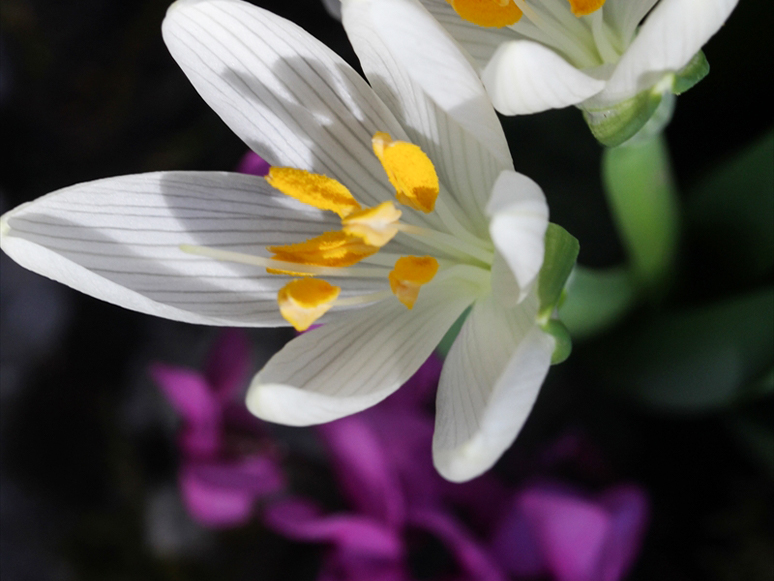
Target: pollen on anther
334 249
585 7
303 301
409 170
488 13
313 189
375 226
408 276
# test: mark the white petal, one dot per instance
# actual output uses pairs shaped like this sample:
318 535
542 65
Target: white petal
333 7
518 220
421 73
288 96
118 239
488 386
478 41
670 36
526 77
625 15
356 360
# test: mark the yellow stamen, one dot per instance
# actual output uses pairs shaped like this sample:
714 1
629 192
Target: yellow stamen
409 274
489 13
585 7
314 189
304 300
410 171
335 249
376 226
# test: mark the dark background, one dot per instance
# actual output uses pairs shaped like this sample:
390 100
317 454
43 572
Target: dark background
88 90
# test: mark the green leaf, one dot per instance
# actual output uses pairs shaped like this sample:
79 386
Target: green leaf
697 360
561 253
639 187
696 69
732 211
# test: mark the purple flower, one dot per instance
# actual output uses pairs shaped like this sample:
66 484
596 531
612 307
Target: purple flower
382 461
555 530
544 528
226 462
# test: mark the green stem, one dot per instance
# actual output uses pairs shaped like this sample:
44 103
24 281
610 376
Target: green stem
643 200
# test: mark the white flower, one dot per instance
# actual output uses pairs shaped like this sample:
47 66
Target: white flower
535 55
192 246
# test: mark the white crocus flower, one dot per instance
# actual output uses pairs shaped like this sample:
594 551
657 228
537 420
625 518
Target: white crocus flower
535 55
192 246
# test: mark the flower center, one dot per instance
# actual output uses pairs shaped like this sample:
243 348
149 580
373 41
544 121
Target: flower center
364 232
556 23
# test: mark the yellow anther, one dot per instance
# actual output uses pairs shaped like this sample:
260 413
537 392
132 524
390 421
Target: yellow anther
489 13
585 7
335 249
304 300
375 226
410 171
409 274
314 189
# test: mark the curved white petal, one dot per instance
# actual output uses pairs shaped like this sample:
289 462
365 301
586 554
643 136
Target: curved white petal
518 214
488 386
415 66
624 16
356 360
288 96
118 239
526 77
670 36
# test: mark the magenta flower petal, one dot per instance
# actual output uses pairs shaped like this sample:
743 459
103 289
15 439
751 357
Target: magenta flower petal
366 477
473 559
347 566
301 520
229 366
222 494
630 509
515 545
569 530
188 392
254 164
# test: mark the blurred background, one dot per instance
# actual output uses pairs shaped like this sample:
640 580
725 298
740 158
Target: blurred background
89 455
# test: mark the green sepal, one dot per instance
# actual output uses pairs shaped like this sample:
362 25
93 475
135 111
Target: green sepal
614 125
696 69
561 253
561 335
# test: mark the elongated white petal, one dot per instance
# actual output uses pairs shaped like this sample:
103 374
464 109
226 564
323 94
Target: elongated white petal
288 96
670 36
623 16
488 386
421 73
518 220
118 239
526 77
356 360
